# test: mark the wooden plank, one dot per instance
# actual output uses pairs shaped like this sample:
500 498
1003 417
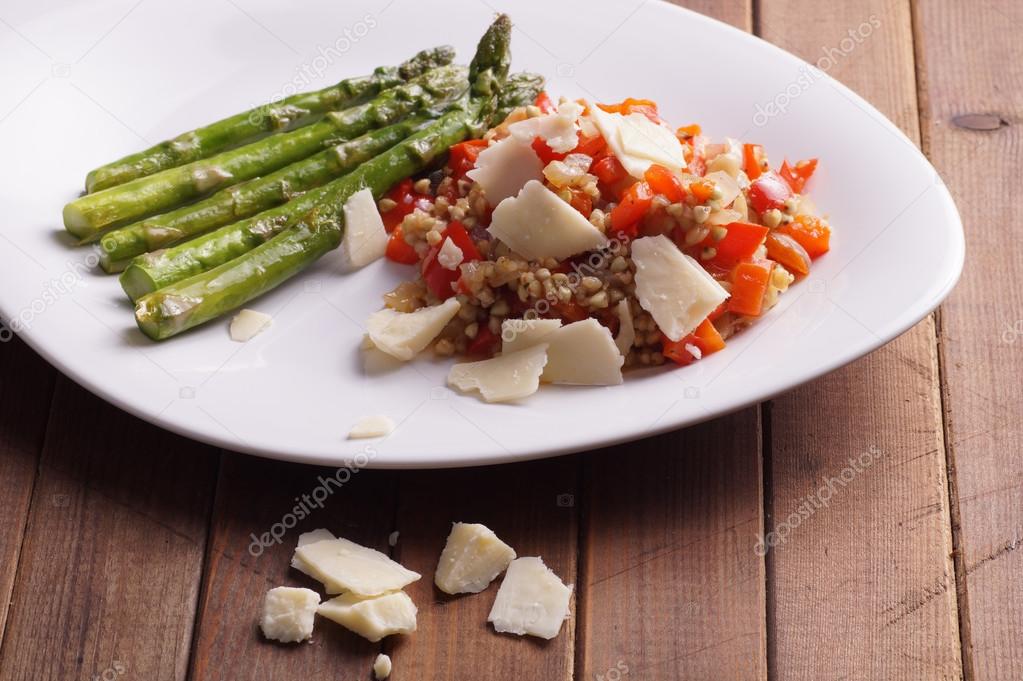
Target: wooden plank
674 589
971 106
669 585
25 394
254 497
109 573
862 588
532 507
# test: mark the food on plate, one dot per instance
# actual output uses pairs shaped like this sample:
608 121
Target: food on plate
403 335
372 617
377 425
472 558
291 112
247 323
381 667
288 614
532 600
510 376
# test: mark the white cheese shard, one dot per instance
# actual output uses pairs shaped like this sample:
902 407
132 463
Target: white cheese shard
288 614
403 335
673 287
583 353
503 168
314 536
365 238
372 426
296 562
346 566
372 618
626 330
450 256
508 377
518 334
637 142
247 324
557 129
537 224
532 600
381 667
473 556
728 187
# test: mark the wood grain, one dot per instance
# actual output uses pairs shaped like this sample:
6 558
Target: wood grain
25 393
254 497
670 587
972 106
112 556
864 587
532 507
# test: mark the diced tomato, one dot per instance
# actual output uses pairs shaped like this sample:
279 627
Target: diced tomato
811 233
798 174
644 106
438 278
406 200
591 145
399 251
545 153
702 190
484 343
749 284
786 250
581 201
462 156
739 244
663 181
688 131
705 338
768 191
752 160
635 202
698 162
544 102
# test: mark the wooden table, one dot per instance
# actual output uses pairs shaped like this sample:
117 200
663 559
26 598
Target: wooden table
126 549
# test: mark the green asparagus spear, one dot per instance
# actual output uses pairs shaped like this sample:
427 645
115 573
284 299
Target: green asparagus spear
90 215
188 303
229 205
287 114
155 270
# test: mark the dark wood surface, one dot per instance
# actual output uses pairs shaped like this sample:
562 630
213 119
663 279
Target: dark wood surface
116 565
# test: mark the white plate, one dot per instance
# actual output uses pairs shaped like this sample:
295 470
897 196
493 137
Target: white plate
85 84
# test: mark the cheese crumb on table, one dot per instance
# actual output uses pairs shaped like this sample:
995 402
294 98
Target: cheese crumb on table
532 600
247 323
288 614
372 426
473 556
344 566
382 667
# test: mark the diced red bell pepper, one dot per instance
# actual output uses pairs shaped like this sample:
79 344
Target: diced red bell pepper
591 145
644 106
811 233
544 103
438 278
663 181
545 153
485 342
706 338
798 174
702 190
609 170
572 311
752 160
406 201
688 131
768 191
399 251
786 250
749 284
581 201
739 244
462 156
635 202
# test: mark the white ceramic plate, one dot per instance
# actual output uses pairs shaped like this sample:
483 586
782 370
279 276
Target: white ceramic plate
83 84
